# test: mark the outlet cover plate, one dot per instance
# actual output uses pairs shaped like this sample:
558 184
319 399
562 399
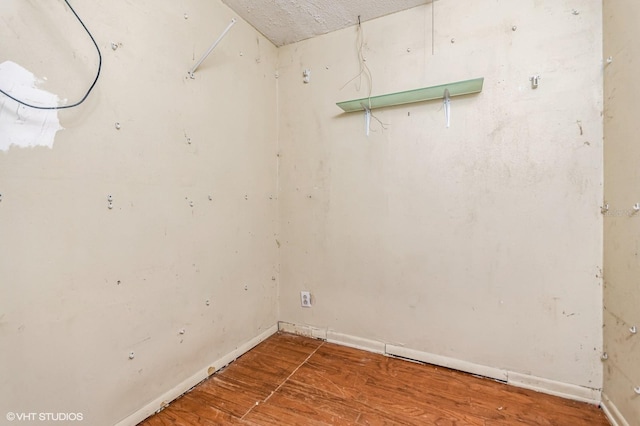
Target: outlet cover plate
305 299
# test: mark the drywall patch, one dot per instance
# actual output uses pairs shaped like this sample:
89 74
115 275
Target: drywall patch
20 125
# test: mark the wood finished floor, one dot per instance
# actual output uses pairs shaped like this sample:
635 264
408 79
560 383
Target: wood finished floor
294 380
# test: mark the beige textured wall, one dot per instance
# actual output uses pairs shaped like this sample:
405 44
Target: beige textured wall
480 242
622 224
81 286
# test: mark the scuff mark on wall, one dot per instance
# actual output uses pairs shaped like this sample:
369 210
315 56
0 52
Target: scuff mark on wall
20 125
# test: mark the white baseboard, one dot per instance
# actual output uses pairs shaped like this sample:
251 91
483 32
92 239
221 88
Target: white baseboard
303 330
456 364
332 337
356 342
170 395
611 411
551 387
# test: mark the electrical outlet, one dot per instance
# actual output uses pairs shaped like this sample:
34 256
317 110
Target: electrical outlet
305 299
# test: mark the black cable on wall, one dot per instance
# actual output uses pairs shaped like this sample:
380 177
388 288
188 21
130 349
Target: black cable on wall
95 80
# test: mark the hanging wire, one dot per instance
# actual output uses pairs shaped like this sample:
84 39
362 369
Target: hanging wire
433 28
95 80
364 69
366 72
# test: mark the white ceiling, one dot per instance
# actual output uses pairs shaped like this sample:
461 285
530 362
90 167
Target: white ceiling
288 21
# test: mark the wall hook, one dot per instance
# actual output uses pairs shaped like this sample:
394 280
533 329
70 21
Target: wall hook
604 356
604 209
637 390
636 207
633 329
535 81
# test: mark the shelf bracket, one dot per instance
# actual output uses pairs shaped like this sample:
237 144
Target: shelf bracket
367 117
447 107
213 46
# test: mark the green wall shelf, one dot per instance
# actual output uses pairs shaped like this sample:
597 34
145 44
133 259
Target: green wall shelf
458 88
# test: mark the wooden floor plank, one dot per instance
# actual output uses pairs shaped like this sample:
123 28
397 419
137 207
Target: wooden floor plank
280 410
226 396
466 394
294 380
260 370
190 411
323 401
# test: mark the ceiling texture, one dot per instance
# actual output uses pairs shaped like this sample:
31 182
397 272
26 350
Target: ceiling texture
288 21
